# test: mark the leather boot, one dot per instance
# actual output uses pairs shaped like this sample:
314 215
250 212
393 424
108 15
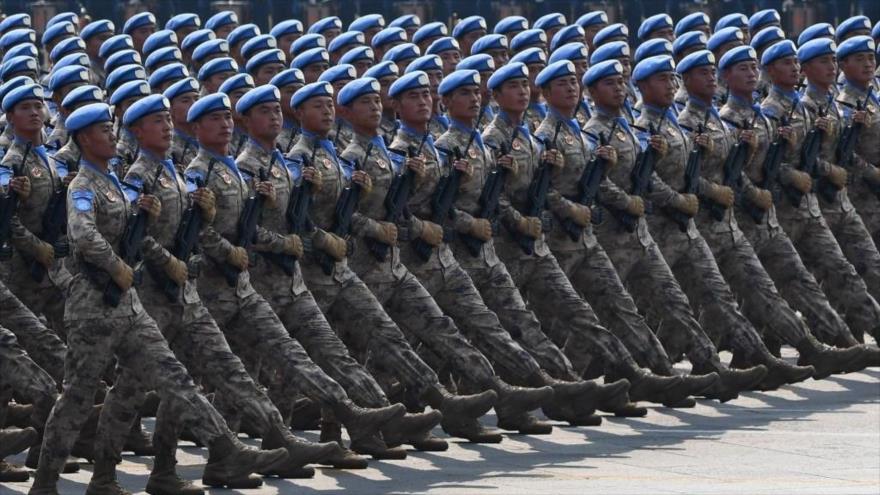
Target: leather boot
646 386
331 431
525 423
469 429
732 381
13 441
410 426
139 441
164 480
300 452
513 400
829 360
231 463
104 479
471 406
374 446
361 422
10 473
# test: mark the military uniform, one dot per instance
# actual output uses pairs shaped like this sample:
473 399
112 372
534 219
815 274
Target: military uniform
41 343
342 134
127 150
287 139
239 138
388 128
183 149
20 374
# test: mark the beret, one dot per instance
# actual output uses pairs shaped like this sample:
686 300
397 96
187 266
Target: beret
489 42
137 21
763 18
736 20
143 107
236 82
653 23
653 65
694 60
568 34
528 38
186 19
602 70
820 30
124 74
309 57
406 21
22 63
216 46
71 74
399 53
242 33
56 31
221 19
570 51
258 44
308 42
289 26
368 21
592 18
263 94
458 79
480 62
514 70
386 68
214 102
159 39
163 55
82 94
781 49
853 24
430 30
550 21
612 32
288 77
274 56
816 48
555 70
468 24
120 58
652 48
767 36
66 47
608 51
357 88
441 45
737 55
83 117
411 80
216 66
345 39
182 87
315 89
196 38
171 72
855 44
22 93
338 73
356 54
689 40
724 36
691 22
511 24
131 89
530 56
324 24
425 63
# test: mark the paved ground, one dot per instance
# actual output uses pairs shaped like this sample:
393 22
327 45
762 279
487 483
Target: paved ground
814 438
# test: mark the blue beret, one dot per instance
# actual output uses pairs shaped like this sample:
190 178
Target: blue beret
406 21
318 88
288 77
214 102
511 24
855 44
652 48
550 21
15 21
242 33
170 72
368 21
514 70
216 66
236 82
855 23
411 80
159 39
13 83
609 33
143 107
68 75
386 68
162 55
691 22
553 71
468 24
609 51
196 38
17 37
399 53
138 20
441 45
767 36
95 28
308 42
263 94
124 74
66 47
388 35
80 59
875 33
430 30
763 18
275 56
425 63
653 65
602 70
530 56
528 38
592 18
63 17
120 58
258 44
781 49
289 26
480 62
736 20
182 87
724 36
694 60
737 55
821 30
356 54
357 88
17 95
570 51
689 40
82 94
309 57
568 34
210 47
83 117
56 31
345 39
489 42
816 48
221 19
458 79
18 64
324 24
131 89
338 72
26 49
653 23
186 19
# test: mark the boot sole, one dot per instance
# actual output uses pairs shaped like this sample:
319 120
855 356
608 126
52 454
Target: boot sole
237 484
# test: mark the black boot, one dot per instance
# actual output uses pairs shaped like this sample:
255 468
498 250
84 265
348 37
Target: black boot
139 441
829 360
472 406
331 431
410 427
361 422
164 479
104 479
231 464
299 453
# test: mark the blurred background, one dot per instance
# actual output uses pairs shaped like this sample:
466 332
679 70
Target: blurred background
796 14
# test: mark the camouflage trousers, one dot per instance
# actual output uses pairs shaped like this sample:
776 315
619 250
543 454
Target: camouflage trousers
21 375
855 240
868 205
42 298
644 271
143 356
42 344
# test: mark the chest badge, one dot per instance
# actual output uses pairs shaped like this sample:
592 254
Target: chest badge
621 136
226 178
569 139
111 196
37 172
472 153
276 173
381 164
326 162
164 182
516 145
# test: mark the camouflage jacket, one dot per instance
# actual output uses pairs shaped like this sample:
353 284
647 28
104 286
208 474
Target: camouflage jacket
867 149
287 139
184 149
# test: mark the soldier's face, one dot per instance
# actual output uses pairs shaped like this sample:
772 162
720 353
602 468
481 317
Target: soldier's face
464 103
317 114
312 72
214 130
742 77
450 59
580 67
139 35
513 95
562 93
414 106
331 33
500 57
785 71
153 132
362 66
285 41
264 121
659 89
99 141
821 70
859 67
93 45
590 33
609 92
365 112
266 72
434 78
468 40
665 33
223 31
212 84
384 84
701 82
286 94
27 117
180 106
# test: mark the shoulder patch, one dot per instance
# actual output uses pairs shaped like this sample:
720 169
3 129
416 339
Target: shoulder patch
82 199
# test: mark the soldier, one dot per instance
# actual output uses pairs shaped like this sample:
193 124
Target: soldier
577 54
485 67
386 73
312 62
97 329
235 87
535 61
94 34
449 51
432 66
61 82
140 26
467 31
286 32
222 23
328 27
338 76
121 98
184 24
288 82
265 65
214 73
184 146
428 34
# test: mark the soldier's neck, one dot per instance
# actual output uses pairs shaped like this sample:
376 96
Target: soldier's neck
514 117
267 143
785 88
184 127
367 131
217 149
743 95
100 163
421 127
35 138
317 135
565 112
612 110
860 85
154 151
822 89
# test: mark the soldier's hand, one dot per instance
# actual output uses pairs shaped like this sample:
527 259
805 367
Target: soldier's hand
636 206
151 205
659 144
687 204
529 226
238 257
431 233
44 253
722 195
785 132
293 246
387 233
465 168
267 190
331 244
21 186
363 179
417 165
801 181
481 229
122 275
705 141
176 271
204 198
762 198
749 137
508 162
580 214
860 117
609 154
825 124
554 158
838 176
67 179
313 175
872 174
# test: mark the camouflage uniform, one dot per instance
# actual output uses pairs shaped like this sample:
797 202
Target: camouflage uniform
438 125
20 374
183 149
341 134
535 115
96 72
287 139
810 233
41 343
237 143
127 149
388 128
58 137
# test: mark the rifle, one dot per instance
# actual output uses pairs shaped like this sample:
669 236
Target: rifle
54 227
395 202
588 186
186 239
348 200
298 214
537 193
845 151
691 176
732 170
489 197
640 178
8 207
